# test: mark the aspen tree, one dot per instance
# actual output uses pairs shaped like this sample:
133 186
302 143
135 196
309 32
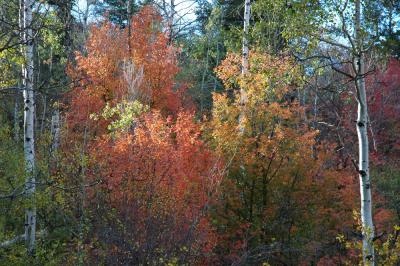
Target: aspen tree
29 138
363 149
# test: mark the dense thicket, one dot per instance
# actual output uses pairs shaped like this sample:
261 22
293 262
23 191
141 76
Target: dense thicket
158 140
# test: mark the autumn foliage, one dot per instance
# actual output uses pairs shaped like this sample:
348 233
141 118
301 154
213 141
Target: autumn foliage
160 179
116 66
384 96
146 151
276 164
199 133
255 182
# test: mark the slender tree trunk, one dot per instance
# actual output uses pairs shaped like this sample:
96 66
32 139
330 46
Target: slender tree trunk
363 149
86 13
245 48
245 57
29 113
216 64
203 79
55 131
16 118
315 109
82 199
129 13
43 119
17 97
171 22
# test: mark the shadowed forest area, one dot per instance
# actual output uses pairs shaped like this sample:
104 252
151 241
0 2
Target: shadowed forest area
197 132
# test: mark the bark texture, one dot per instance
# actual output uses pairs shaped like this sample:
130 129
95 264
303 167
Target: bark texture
363 149
29 139
245 57
245 49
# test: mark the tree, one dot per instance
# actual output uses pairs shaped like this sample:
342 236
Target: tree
110 75
154 170
29 138
160 179
382 98
362 127
349 61
118 11
10 25
204 140
271 166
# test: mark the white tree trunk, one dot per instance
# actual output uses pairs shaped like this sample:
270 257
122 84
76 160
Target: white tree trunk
245 49
29 114
363 149
55 131
245 58
16 118
171 21
364 175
